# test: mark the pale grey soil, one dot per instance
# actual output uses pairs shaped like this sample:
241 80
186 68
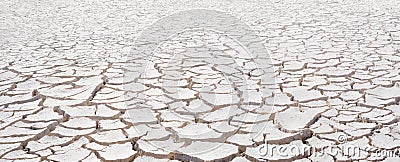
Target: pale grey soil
62 95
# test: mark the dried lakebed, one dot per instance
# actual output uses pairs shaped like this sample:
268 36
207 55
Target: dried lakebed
336 69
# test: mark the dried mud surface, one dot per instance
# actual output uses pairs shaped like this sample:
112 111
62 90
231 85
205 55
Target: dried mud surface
62 96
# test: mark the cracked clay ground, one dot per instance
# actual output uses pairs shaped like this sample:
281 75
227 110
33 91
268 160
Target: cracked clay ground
62 95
